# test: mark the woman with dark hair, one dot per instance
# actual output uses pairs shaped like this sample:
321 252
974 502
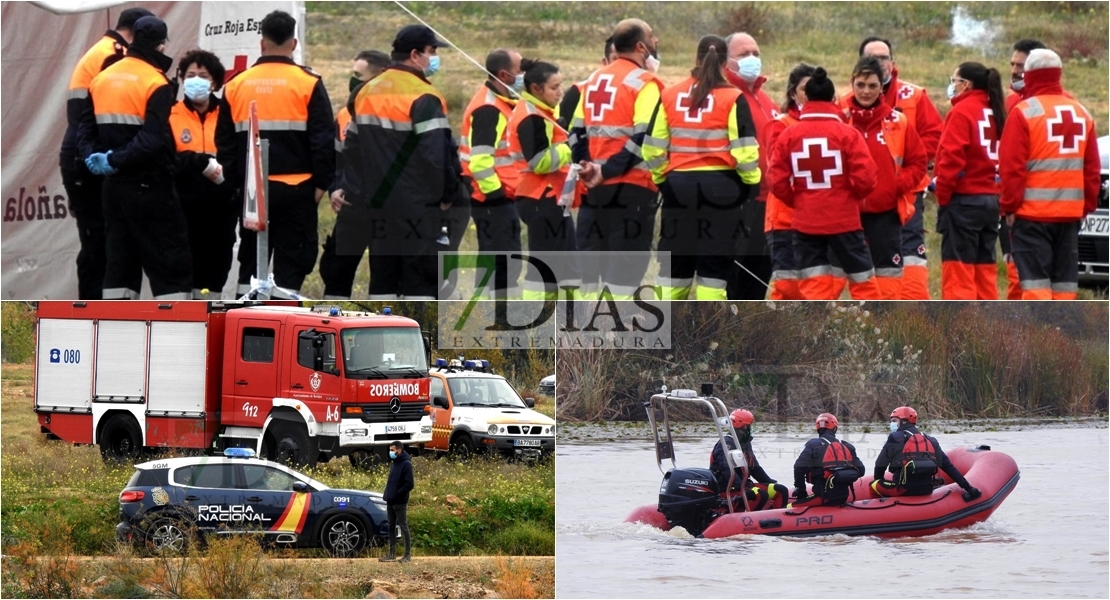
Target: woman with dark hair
703 154
210 211
902 163
822 169
777 223
542 155
967 189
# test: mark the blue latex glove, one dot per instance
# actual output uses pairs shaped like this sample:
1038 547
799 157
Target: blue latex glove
98 164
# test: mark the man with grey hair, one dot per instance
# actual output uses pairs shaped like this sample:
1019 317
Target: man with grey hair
745 71
1049 163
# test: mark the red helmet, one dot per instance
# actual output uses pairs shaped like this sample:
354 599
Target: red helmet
827 421
904 412
741 417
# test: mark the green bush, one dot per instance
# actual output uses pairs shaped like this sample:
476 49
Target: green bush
18 331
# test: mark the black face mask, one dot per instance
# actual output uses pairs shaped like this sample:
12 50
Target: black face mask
353 84
745 435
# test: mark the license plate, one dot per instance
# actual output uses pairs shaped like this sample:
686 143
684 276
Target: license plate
530 443
1095 225
394 428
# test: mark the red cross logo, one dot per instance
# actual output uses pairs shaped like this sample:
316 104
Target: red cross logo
988 134
905 92
600 97
691 114
1067 130
816 163
239 65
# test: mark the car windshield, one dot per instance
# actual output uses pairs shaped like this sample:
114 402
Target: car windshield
384 353
484 391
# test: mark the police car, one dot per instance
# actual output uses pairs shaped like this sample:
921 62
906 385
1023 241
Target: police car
1094 230
475 410
167 501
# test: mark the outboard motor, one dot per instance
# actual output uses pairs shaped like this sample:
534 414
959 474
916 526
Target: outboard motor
689 499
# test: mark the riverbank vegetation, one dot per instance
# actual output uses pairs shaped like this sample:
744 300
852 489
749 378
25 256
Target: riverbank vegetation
786 361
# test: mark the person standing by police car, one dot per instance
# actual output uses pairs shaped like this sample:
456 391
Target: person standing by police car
125 135
396 497
82 187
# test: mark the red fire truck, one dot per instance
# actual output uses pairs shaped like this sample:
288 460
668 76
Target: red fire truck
294 384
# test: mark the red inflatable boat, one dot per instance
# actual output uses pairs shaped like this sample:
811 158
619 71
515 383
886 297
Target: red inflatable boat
689 497
994 473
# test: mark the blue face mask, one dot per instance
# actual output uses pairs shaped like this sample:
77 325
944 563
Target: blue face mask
894 426
518 84
1018 85
433 66
749 67
392 454
197 88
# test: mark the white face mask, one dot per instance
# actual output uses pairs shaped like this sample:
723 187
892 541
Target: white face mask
893 426
1018 85
652 64
749 68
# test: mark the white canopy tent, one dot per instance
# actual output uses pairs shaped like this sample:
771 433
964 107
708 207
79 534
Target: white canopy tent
41 43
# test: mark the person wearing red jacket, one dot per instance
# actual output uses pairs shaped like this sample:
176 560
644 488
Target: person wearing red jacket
745 71
901 163
1049 162
912 101
822 169
966 188
777 224
1022 48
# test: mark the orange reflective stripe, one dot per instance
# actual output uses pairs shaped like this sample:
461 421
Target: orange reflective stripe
530 184
120 93
502 162
291 178
609 106
385 101
342 120
192 134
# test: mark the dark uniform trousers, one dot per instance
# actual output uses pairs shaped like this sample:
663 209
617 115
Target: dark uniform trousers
293 237
404 251
884 241
969 232
612 221
817 278
702 225
498 229
85 204
751 281
343 250
549 230
1047 257
145 230
211 222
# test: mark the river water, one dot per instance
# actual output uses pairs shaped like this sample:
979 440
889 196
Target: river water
1049 539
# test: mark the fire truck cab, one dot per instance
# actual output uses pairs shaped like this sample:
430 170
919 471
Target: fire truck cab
294 384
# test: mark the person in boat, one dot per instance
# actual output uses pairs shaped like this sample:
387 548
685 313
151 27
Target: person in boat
763 493
913 459
829 464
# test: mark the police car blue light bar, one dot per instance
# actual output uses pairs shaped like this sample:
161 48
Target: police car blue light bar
441 362
387 311
239 453
469 365
485 364
334 311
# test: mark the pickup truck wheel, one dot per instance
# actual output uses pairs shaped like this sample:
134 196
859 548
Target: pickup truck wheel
121 440
293 446
462 447
343 535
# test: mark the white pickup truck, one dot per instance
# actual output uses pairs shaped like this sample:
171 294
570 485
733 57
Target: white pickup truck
1094 231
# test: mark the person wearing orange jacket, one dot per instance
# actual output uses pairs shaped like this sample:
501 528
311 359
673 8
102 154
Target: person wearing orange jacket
1021 48
295 115
541 154
966 184
350 236
125 135
1050 166
913 102
745 71
402 161
617 217
703 146
777 224
822 169
901 161
573 94
82 187
210 210
487 167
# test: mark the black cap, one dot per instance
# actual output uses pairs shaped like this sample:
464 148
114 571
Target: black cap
149 32
128 17
415 37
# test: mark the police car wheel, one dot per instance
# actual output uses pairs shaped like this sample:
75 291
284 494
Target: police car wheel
167 534
343 535
121 440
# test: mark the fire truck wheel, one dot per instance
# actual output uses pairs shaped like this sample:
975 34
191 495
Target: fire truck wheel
121 440
293 446
462 447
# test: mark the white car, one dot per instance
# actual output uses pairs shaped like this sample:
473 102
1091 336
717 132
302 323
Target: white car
1094 231
547 385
